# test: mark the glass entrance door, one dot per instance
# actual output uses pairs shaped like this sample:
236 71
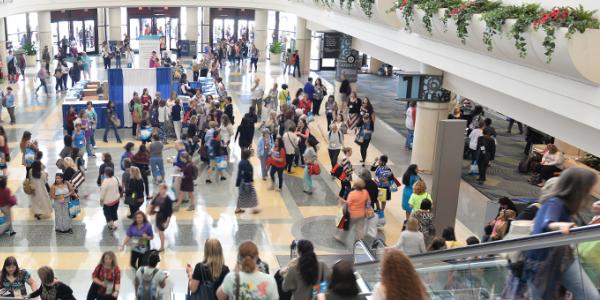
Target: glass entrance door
217 30
228 27
242 29
79 35
90 36
60 30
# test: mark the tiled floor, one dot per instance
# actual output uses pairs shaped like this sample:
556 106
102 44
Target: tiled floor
285 216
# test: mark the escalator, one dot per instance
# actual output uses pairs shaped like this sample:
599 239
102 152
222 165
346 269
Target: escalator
479 271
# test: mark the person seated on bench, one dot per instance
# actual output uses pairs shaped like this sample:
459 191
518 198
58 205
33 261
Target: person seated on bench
551 163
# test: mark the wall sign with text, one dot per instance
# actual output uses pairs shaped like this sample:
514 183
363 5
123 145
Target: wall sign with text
421 87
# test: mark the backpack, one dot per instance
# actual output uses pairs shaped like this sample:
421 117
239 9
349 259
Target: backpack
29 156
147 290
206 288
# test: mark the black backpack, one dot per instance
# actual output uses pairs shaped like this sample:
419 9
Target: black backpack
130 105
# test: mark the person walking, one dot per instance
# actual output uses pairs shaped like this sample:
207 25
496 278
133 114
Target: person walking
345 91
10 104
86 65
245 132
58 78
110 195
211 270
134 192
176 112
112 119
190 173
258 92
310 158
409 178
156 160
40 199
411 118
106 55
424 217
320 91
411 240
245 183
290 141
336 142
62 192
162 207
106 278
277 162
295 60
287 56
356 205
42 74
363 136
65 73
140 234
142 160
254 55
46 59
331 110
93 119
263 151
22 64
486 152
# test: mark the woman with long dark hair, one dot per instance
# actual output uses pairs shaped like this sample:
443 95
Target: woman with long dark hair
342 285
14 279
277 163
110 114
245 182
61 192
307 273
40 199
549 268
408 180
310 158
245 131
142 160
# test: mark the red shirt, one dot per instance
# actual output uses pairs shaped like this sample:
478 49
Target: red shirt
5 197
281 162
111 275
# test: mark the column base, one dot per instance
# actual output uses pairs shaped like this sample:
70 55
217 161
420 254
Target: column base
188 48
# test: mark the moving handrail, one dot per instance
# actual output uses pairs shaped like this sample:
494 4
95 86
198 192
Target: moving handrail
538 241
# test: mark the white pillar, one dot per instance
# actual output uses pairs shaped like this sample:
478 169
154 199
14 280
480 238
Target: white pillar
44 32
205 29
303 39
374 65
261 18
426 127
3 52
101 25
114 22
192 24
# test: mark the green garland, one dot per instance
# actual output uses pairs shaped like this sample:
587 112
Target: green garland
367 7
495 15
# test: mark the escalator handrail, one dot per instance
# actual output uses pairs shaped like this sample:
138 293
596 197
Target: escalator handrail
367 250
538 241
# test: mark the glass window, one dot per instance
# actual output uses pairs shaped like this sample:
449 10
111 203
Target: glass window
16 27
33 22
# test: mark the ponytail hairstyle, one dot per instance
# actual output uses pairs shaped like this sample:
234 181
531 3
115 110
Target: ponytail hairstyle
308 266
247 256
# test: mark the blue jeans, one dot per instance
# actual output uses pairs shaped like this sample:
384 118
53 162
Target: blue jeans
409 138
162 132
308 184
110 125
157 166
92 138
89 147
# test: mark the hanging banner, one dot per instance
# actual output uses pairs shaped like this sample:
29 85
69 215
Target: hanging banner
348 62
331 44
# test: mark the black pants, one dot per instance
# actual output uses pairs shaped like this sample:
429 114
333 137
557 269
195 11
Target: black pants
547 172
253 62
135 206
110 212
299 159
42 84
196 74
58 84
482 163
289 161
510 125
333 156
316 106
296 67
363 149
329 119
107 63
64 78
134 128
203 72
345 189
136 259
145 179
279 172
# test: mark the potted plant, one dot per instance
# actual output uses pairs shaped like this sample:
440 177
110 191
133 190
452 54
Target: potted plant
30 53
275 49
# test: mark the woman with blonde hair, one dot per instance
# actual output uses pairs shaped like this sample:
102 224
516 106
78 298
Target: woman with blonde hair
134 193
106 278
411 240
418 195
356 204
395 265
248 282
212 269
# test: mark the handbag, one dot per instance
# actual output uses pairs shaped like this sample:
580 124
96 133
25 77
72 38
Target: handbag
115 120
474 169
74 207
221 163
360 139
312 140
338 172
28 187
314 169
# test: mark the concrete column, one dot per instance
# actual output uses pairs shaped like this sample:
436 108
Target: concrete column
101 25
303 39
205 29
426 128
44 32
261 18
192 24
114 23
3 52
374 65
